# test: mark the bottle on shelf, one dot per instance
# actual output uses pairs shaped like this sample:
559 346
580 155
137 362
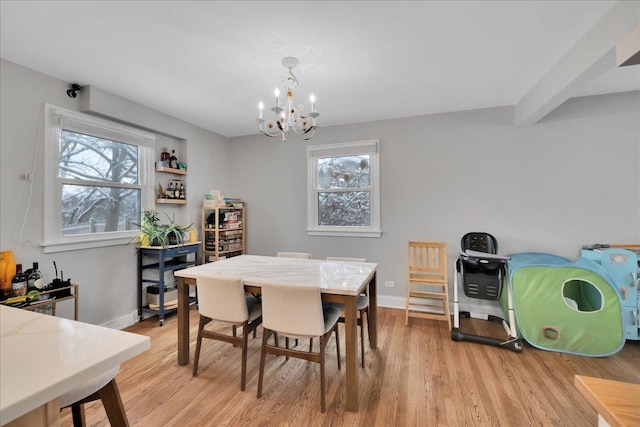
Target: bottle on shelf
173 160
35 280
164 156
19 282
170 190
176 191
182 195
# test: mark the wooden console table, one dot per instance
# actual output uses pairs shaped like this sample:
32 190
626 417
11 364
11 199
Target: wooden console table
617 403
52 302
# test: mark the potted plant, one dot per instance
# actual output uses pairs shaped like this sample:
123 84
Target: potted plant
152 233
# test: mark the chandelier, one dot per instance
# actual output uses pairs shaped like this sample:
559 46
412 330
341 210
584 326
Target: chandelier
288 117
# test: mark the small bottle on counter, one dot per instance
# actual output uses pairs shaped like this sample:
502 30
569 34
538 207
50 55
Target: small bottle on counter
19 282
35 280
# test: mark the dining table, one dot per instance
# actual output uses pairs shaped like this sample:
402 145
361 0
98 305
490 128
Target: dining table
42 357
338 281
616 402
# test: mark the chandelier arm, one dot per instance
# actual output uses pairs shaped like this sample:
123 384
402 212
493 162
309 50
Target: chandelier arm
289 117
295 79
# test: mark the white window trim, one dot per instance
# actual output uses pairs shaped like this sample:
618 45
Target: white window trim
343 149
54 241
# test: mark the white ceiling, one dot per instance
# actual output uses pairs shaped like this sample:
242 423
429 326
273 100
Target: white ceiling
210 63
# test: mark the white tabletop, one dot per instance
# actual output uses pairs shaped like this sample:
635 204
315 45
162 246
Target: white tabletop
330 276
43 357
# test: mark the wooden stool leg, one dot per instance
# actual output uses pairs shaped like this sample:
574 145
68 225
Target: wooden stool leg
77 415
112 402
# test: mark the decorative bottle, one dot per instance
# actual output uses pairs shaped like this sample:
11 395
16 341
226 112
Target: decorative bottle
170 191
19 282
164 156
176 191
173 160
182 195
35 280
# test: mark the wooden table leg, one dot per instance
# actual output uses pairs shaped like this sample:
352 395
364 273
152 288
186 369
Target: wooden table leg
351 339
183 322
373 313
47 415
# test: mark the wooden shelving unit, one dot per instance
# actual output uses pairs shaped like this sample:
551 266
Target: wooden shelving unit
225 236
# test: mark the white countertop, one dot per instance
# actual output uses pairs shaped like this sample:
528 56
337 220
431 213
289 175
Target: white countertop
330 276
42 357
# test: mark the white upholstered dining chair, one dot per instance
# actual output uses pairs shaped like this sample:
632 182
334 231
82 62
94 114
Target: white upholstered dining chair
224 300
102 387
297 312
302 255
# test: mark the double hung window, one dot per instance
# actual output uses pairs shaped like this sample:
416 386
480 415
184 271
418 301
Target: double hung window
344 189
97 180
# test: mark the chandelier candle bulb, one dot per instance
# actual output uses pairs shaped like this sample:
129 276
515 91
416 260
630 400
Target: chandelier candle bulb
312 98
260 107
277 92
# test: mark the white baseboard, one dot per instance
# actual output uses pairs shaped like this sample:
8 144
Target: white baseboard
476 311
123 321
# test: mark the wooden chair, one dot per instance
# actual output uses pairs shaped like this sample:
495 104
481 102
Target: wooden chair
224 300
427 286
297 312
302 255
362 305
102 387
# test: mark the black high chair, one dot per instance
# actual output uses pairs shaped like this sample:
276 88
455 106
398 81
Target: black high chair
482 273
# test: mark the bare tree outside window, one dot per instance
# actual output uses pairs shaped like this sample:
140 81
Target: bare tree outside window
346 190
100 191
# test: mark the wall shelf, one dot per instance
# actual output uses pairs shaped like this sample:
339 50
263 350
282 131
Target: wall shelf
171 201
171 170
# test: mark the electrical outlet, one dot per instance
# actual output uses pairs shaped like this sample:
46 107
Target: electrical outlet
390 284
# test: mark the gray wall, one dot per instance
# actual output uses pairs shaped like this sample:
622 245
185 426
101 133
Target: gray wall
107 276
569 180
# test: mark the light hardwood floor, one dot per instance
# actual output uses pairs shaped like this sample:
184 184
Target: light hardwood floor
416 377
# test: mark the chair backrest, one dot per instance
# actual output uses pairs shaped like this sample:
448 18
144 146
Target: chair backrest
294 255
221 298
344 259
292 310
428 258
481 242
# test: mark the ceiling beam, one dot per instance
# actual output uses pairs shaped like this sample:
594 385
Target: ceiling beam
590 57
628 48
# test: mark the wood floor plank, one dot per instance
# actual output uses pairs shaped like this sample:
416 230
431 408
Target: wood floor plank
418 376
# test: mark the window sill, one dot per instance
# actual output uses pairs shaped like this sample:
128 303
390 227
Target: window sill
344 233
74 245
